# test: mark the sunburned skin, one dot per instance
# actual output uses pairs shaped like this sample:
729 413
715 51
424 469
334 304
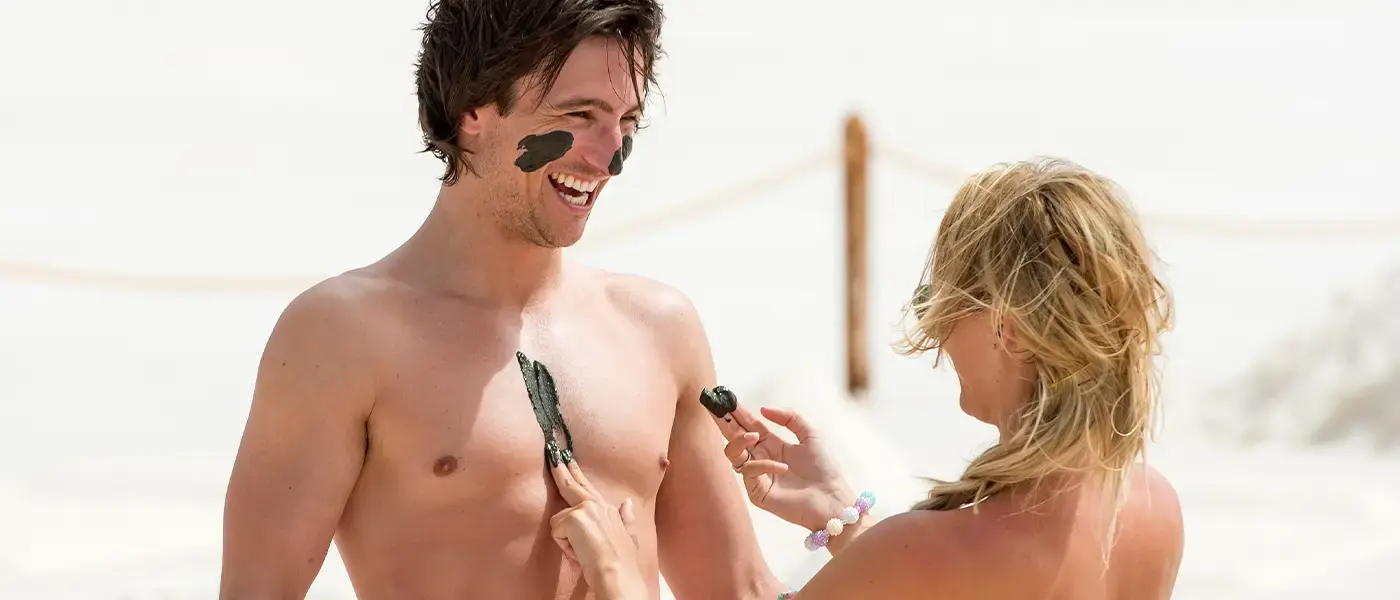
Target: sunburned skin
615 167
544 399
543 149
719 401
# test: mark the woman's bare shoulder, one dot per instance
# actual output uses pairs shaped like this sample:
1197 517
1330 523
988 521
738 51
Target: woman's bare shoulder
1152 530
909 555
1155 491
994 552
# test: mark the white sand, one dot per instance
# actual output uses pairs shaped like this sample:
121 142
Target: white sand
275 139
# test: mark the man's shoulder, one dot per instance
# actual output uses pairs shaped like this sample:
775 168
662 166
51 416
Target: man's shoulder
649 300
334 312
668 317
347 295
324 348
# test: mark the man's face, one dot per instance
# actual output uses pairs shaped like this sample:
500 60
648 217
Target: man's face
545 164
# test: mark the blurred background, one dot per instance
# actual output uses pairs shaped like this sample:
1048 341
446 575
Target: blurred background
173 172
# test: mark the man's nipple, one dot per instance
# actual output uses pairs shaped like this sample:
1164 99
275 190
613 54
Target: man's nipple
444 466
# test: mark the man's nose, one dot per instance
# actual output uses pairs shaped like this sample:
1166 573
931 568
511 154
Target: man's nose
606 143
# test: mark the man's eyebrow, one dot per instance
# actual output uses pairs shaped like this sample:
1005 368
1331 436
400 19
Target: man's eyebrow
576 103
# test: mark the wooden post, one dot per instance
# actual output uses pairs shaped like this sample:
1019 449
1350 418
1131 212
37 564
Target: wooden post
857 258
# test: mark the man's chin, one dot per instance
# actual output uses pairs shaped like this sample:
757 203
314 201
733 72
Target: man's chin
562 239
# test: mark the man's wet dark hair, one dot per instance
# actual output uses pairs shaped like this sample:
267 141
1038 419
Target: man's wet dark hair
475 52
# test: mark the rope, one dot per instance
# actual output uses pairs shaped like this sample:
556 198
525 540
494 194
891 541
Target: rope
1204 225
941 173
727 198
187 284
724 199
1292 230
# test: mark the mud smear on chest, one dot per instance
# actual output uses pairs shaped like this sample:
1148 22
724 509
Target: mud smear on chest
544 400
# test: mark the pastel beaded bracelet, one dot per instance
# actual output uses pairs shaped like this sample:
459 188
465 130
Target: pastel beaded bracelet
849 515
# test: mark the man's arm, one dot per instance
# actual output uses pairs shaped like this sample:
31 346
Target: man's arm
705 538
302 448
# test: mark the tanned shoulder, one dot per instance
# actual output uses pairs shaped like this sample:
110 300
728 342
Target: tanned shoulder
650 299
1153 515
303 444
669 315
332 320
953 552
905 555
341 300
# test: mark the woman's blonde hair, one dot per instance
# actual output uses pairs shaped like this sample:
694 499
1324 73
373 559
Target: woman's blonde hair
1053 250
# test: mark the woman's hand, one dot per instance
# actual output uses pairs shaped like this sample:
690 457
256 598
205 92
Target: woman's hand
798 483
598 536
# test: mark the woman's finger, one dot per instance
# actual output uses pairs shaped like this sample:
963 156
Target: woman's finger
560 526
577 472
629 517
557 522
738 420
566 548
626 513
789 419
751 422
569 488
727 425
758 467
744 437
738 449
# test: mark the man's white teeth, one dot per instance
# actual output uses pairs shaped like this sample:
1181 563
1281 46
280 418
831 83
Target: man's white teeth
576 200
576 184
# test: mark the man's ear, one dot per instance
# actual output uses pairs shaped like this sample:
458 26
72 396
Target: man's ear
472 122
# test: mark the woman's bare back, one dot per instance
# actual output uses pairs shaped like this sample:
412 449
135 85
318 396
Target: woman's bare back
1053 547
1009 549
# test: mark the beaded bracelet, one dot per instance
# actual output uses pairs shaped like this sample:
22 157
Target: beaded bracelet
849 515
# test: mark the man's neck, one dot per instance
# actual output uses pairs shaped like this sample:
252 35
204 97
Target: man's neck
467 253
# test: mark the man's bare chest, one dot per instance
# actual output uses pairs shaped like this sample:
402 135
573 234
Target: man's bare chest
459 420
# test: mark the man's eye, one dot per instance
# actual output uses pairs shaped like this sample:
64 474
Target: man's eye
580 115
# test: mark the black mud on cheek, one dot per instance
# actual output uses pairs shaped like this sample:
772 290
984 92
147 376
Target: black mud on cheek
615 167
543 149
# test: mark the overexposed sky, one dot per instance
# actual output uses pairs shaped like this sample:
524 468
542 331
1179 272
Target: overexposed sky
277 138
176 121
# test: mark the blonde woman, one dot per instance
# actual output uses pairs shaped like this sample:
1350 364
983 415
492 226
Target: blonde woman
1040 291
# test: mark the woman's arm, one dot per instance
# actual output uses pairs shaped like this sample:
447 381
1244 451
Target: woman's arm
616 583
920 555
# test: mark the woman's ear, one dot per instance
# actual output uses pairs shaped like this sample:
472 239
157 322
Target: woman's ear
1006 337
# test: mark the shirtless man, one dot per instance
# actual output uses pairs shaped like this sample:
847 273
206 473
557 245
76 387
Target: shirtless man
390 410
